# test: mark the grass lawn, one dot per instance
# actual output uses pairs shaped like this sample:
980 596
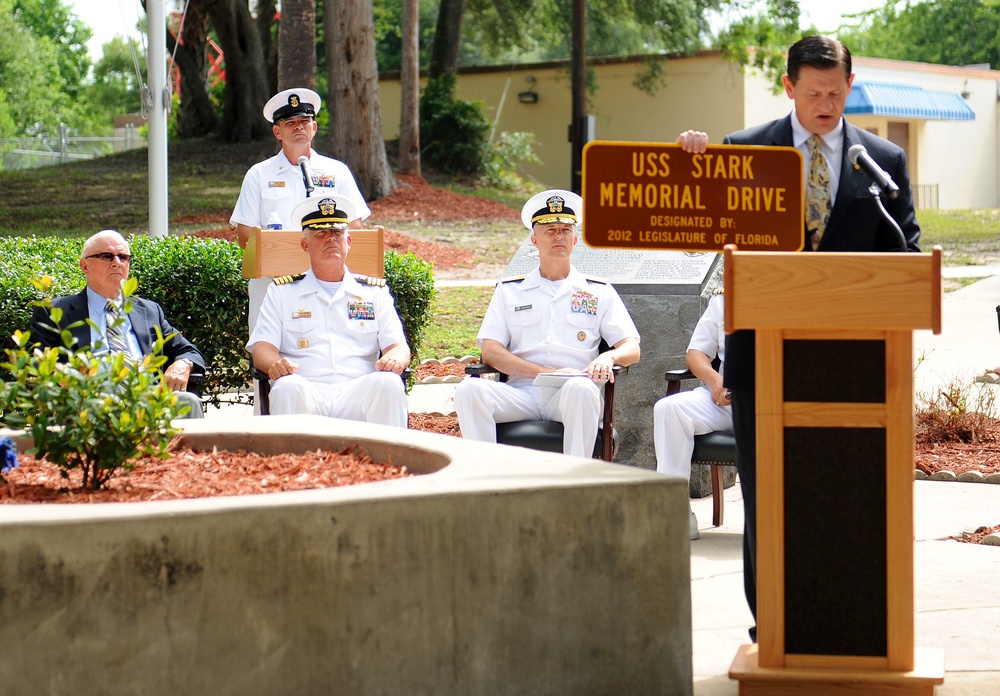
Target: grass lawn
458 312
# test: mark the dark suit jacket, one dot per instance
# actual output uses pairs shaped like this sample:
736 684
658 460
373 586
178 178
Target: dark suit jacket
145 316
855 224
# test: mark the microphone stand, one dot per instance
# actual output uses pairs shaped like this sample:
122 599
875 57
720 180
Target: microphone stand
875 191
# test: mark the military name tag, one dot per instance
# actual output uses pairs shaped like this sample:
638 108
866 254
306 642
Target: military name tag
301 314
276 184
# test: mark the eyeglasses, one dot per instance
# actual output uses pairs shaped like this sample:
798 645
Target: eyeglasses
109 257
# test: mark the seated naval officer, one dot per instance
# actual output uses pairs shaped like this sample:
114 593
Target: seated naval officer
551 320
331 341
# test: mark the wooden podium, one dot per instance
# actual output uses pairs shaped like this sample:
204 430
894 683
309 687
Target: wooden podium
835 429
279 252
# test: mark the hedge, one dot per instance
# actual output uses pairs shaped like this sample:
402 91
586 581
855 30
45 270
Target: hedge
200 286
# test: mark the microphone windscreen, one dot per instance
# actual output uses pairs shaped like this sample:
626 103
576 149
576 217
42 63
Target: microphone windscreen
303 160
854 152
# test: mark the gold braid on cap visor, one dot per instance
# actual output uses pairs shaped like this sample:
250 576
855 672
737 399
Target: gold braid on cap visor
333 223
549 218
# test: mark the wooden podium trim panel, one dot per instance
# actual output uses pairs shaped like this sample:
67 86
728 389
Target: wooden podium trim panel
274 253
771 499
804 414
790 290
899 503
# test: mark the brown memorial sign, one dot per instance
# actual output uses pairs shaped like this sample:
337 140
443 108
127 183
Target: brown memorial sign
656 196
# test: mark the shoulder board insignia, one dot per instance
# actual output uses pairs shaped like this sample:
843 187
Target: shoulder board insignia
370 280
513 279
285 280
592 279
718 291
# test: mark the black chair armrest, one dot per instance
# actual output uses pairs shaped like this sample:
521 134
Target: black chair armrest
196 380
678 375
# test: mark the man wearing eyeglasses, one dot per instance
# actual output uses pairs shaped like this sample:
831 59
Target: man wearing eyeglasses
330 340
105 261
551 320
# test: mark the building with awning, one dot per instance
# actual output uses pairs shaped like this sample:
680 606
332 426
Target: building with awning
906 101
944 117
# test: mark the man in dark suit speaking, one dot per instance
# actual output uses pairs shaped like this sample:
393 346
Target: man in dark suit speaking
105 264
841 214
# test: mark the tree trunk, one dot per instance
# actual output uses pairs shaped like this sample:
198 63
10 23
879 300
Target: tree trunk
447 38
247 86
297 44
409 82
355 111
196 116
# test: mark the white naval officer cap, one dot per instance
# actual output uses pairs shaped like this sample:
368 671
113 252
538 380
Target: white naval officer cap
297 101
329 211
554 205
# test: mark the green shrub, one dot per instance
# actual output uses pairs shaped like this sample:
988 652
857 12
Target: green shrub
453 132
96 414
411 282
200 285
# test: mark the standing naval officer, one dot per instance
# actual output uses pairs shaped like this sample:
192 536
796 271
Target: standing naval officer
275 186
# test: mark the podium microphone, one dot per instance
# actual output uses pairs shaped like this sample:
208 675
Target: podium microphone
306 175
862 160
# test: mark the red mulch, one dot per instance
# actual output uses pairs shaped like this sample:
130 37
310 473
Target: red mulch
413 200
190 474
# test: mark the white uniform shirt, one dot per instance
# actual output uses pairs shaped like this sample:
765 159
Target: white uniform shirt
275 185
709 335
333 339
563 330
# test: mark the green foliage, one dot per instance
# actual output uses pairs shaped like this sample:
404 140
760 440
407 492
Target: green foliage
97 414
411 281
453 132
759 41
527 30
947 32
503 159
198 282
115 89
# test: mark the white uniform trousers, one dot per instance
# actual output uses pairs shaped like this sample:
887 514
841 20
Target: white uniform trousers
677 419
482 403
378 397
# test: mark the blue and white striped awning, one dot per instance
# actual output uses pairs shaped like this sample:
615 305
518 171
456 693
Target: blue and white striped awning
904 101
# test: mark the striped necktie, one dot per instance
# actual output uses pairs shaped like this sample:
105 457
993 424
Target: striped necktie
817 192
116 333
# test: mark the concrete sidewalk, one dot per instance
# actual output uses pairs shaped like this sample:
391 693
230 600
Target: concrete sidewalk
957 601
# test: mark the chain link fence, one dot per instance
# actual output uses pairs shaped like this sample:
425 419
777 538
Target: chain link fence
43 151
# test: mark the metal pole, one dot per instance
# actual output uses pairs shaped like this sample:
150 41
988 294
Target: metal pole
579 92
156 68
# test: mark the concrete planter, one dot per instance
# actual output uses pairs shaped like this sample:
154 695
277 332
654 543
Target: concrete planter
497 570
